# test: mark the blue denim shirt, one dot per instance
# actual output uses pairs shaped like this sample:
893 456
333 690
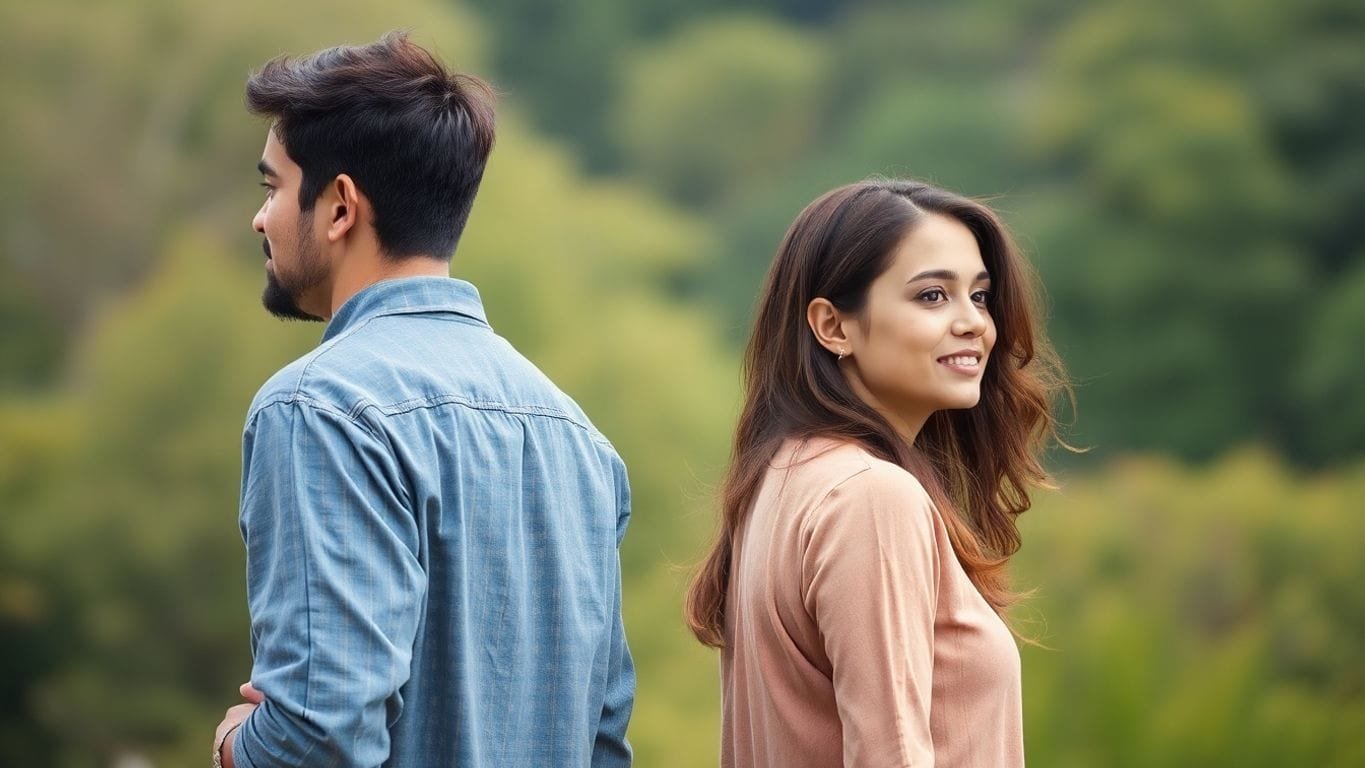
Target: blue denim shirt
431 531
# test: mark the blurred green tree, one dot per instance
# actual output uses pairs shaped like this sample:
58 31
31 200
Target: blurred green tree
128 528
128 119
721 105
1195 617
1184 278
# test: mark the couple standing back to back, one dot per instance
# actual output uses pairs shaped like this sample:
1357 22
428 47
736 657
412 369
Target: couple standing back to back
432 527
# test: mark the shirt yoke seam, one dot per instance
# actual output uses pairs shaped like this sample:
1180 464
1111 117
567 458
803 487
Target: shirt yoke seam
417 403
329 344
326 347
299 398
353 416
406 406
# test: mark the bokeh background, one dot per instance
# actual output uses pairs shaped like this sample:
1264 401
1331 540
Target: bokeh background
1188 176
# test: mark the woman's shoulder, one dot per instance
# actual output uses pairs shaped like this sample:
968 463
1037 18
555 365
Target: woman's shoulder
866 507
849 472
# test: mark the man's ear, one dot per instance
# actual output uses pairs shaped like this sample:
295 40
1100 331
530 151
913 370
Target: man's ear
827 323
340 202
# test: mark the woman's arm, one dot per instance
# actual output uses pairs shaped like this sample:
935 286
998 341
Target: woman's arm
871 568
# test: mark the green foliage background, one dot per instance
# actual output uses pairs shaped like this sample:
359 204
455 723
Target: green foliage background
1187 177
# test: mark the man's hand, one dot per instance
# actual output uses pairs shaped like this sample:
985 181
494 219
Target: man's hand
249 693
223 736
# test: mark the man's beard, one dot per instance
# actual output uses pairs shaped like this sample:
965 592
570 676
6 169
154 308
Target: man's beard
281 300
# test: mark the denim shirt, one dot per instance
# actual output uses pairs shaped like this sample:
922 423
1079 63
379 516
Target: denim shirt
431 531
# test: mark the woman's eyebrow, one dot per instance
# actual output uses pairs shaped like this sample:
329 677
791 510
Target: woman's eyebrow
266 170
944 274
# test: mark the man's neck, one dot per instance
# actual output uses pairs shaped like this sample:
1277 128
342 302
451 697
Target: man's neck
349 282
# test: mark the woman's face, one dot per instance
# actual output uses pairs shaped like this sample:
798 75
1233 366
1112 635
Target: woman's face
921 343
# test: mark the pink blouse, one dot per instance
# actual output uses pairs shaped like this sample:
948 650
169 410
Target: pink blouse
853 636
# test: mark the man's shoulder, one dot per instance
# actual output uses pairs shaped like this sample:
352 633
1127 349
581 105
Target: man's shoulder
398 364
347 373
287 385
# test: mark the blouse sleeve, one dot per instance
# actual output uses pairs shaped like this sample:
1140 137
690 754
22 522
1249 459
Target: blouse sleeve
870 568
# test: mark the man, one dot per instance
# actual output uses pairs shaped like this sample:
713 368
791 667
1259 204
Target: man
431 526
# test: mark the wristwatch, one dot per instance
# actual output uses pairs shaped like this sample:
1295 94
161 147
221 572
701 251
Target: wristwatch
218 747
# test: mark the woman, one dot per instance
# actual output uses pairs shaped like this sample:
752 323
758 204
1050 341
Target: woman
897 397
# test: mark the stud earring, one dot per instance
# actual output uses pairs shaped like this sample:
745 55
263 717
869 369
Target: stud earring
842 354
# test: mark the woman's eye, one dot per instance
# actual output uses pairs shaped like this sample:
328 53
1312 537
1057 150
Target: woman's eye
980 297
932 296
269 190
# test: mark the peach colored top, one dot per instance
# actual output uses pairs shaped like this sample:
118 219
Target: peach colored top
853 636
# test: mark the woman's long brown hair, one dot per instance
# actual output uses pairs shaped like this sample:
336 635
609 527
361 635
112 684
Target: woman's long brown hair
977 464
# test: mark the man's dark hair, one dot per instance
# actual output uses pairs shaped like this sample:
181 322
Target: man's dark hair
412 135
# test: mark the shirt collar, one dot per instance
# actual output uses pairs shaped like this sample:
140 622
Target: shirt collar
408 295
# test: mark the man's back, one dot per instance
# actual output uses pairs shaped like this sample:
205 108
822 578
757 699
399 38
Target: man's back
432 532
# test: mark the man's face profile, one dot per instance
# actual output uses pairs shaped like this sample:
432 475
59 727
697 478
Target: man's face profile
294 265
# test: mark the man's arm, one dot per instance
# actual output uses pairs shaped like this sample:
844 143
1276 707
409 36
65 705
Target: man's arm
334 587
610 747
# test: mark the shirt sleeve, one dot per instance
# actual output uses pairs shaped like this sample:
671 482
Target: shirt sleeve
610 747
871 569
334 585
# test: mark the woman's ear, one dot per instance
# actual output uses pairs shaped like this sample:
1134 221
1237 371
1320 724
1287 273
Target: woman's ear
827 323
